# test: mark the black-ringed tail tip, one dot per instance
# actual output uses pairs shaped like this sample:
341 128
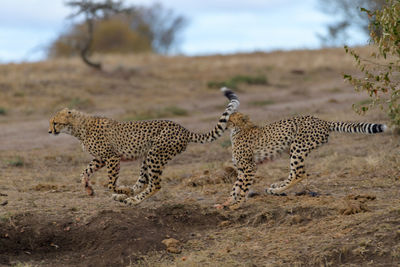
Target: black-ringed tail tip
222 122
358 127
231 96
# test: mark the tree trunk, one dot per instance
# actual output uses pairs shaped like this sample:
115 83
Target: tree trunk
86 48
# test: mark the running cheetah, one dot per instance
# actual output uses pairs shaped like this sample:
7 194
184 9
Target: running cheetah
110 142
252 145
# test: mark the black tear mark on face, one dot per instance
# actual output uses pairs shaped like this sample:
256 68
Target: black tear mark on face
54 128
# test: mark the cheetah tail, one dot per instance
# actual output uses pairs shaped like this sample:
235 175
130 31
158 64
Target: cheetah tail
358 127
223 120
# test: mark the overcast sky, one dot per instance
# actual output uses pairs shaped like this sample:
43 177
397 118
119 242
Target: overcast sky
215 26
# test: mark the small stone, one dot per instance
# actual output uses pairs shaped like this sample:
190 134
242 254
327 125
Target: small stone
172 245
174 250
170 242
296 219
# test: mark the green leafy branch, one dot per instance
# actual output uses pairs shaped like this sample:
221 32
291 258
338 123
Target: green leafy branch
381 72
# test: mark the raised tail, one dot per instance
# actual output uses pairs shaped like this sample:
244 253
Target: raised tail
223 120
357 127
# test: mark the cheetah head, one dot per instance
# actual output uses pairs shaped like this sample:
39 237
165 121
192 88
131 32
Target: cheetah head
60 121
239 120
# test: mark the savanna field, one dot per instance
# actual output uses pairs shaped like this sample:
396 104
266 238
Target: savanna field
46 218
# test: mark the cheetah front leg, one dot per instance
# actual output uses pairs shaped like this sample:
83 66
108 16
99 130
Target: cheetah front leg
93 166
246 172
297 173
113 167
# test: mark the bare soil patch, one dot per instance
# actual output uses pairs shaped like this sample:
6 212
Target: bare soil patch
106 239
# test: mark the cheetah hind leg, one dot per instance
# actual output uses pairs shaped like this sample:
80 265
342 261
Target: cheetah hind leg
297 173
143 179
156 159
136 188
154 173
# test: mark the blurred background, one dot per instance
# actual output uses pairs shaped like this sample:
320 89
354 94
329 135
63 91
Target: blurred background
32 30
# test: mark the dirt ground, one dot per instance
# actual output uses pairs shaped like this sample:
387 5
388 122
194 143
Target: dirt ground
46 219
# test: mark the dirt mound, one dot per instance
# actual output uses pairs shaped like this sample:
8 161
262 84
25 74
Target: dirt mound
107 238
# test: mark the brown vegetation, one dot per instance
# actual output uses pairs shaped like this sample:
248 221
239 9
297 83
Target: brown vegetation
46 219
110 27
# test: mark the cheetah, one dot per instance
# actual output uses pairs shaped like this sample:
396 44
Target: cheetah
110 142
252 145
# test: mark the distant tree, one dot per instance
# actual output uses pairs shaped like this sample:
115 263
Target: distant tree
349 16
109 36
381 71
93 11
110 27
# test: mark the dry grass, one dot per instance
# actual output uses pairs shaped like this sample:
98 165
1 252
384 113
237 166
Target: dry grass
40 174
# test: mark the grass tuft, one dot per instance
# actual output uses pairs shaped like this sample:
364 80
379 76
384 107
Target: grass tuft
3 111
16 162
5 217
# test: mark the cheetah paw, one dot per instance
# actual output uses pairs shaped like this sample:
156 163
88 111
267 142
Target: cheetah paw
131 201
273 186
229 204
119 197
89 190
276 185
220 206
234 206
271 191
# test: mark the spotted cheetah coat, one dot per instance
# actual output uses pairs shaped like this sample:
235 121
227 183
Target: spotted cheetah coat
110 142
